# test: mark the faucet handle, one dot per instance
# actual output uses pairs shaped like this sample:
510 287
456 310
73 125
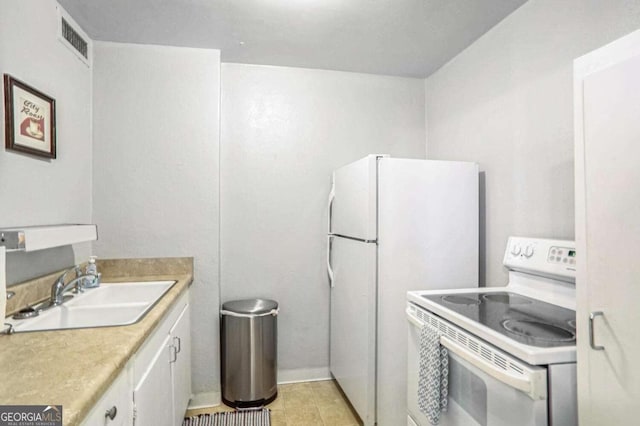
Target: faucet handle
63 278
80 284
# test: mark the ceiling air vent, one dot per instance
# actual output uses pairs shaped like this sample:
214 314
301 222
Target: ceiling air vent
70 34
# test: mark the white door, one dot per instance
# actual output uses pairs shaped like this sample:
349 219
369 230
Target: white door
608 237
152 395
353 321
354 206
181 365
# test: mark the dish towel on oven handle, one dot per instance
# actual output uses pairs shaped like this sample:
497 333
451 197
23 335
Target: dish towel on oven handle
433 376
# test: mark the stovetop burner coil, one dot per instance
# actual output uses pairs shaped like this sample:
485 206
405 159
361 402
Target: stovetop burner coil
509 299
461 300
538 330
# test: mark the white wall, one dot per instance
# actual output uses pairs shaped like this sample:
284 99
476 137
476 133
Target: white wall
283 130
155 168
507 103
36 191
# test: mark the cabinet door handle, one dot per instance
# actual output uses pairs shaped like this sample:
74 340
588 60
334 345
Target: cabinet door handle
174 352
111 413
592 339
179 343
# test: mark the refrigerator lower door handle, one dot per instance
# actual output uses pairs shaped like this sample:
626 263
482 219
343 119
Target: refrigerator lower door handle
329 269
332 196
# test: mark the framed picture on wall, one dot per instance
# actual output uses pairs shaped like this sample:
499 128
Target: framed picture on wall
30 119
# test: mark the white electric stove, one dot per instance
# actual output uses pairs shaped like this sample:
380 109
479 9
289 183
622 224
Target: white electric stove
512 349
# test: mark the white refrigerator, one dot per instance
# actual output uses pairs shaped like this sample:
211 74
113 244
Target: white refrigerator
395 225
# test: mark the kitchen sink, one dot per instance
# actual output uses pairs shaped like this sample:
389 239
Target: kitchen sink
117 293
108 305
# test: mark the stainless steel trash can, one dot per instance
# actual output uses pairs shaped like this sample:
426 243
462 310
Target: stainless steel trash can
249 352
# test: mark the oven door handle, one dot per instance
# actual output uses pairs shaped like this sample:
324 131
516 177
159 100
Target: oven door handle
413 319
532 383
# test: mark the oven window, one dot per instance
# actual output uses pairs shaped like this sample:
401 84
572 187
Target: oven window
468 391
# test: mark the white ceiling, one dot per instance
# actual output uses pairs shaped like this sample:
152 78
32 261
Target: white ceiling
392 37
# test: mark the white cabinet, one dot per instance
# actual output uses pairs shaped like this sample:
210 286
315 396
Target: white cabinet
607 118
162 371
181 365
32 238
155 386
115 408
152 396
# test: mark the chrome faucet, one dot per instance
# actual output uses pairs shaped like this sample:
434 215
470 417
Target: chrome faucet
59 287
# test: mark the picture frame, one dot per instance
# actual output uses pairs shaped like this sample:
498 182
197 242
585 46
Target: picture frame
30 119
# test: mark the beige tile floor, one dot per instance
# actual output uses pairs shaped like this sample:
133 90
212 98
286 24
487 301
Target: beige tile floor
304 404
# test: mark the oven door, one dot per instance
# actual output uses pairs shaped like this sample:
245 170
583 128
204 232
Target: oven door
486 386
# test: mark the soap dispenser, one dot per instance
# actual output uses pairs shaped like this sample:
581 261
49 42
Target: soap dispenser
92 268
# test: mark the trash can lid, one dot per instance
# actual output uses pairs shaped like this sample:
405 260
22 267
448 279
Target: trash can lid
250 306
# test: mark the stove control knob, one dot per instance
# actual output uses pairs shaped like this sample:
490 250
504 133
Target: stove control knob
516 249
528 251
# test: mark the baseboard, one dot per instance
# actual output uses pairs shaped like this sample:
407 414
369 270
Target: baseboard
212 399
303 375
205 400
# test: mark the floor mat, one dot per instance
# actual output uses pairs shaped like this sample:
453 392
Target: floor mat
232 418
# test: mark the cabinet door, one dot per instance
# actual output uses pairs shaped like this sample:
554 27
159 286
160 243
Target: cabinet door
181 367
608 226
117 400
152 395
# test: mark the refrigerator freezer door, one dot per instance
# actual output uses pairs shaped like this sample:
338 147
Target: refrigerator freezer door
354 206
353 312
427 239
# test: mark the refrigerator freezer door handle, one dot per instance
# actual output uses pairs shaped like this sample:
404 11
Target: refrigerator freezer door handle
329 269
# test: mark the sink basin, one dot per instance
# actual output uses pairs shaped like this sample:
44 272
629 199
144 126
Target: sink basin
118 293
80 317
108 305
